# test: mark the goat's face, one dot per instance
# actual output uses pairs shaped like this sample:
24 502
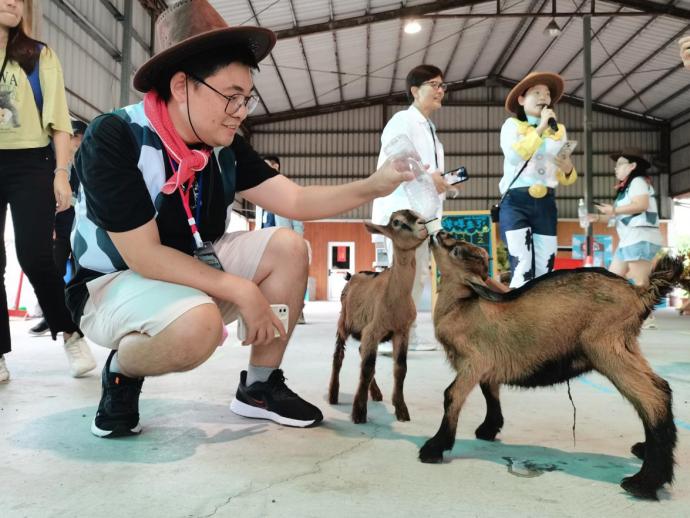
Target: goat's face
457 258
405 228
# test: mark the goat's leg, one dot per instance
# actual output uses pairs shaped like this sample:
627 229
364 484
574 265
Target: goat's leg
338 355
400 342
493 422
367 351
375 391
651 397
454 397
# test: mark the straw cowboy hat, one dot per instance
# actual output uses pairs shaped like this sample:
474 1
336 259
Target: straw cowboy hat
192 27
633 154
554 82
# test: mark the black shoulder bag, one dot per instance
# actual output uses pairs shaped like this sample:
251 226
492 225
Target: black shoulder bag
496 208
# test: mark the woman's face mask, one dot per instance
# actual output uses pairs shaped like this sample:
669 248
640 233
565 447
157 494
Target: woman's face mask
623 168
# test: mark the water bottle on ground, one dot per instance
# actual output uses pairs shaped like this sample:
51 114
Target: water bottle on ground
582 213
421 192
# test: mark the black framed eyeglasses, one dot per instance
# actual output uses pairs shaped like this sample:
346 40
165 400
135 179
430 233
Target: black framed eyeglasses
436 85
235 101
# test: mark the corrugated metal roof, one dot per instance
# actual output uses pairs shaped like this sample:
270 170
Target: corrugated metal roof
467 48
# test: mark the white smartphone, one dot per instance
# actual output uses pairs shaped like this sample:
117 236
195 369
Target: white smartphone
567 149
281 310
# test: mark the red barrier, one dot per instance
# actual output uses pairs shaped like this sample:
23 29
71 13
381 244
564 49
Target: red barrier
15 311
567 264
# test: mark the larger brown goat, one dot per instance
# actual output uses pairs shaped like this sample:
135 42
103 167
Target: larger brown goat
377 307
555 328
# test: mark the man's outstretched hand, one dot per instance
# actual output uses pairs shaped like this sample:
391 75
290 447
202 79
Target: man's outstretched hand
392 173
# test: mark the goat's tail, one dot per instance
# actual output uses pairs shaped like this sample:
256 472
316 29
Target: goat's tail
666 274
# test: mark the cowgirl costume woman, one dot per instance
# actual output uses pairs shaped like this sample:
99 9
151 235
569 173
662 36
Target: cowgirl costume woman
528 214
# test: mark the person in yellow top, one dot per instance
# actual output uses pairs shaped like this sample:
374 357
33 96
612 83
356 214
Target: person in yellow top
532 143
34 179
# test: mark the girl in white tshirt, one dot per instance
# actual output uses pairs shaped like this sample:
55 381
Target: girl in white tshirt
637 220
636 216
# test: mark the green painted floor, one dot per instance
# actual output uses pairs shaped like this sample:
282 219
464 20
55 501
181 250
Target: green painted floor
196 459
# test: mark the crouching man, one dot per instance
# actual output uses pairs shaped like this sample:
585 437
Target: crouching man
156 277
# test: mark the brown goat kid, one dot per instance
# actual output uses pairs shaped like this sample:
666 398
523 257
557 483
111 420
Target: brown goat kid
377 307
553 329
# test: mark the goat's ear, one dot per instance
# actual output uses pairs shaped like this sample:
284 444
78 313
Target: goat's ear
478 286
472 279
477 263
374 229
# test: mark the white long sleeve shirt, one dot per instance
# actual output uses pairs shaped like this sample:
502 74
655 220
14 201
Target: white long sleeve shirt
422 132
520 141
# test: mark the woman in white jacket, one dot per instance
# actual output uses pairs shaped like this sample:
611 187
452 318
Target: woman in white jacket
425 90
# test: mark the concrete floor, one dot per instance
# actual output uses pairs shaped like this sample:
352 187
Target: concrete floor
195 458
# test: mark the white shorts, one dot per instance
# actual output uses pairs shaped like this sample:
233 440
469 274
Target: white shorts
124 302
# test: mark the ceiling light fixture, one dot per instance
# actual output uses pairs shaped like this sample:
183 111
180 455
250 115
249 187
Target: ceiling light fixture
412 27
552 29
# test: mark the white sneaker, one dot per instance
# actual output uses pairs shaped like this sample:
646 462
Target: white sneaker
4 373
36 312
416 344
650 323
79 355
386 348
422 346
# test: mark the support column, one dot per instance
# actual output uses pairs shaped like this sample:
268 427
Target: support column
126 65
589 165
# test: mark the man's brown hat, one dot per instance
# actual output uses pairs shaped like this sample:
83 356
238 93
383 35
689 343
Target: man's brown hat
192 27
554 82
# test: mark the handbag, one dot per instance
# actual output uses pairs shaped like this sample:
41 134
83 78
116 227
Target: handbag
496 207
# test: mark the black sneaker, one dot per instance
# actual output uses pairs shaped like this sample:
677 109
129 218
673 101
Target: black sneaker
273 400
40 329
118 411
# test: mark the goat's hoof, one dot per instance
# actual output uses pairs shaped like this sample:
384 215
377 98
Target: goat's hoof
638 450
487 432
375 394
639 486
431 453
359 416
402 414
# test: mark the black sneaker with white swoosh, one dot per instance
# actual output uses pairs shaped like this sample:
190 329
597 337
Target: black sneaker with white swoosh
273 400
118 410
